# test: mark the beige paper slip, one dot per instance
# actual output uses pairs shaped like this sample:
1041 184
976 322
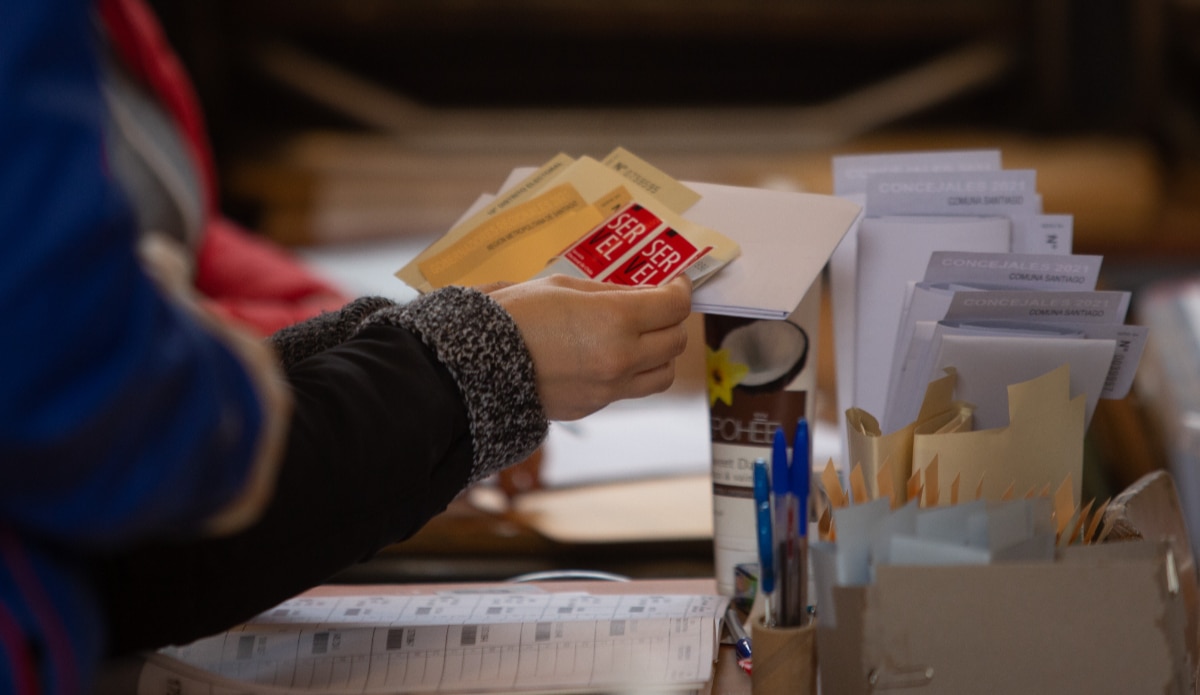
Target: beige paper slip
869 447
511 231
642 174
1043 444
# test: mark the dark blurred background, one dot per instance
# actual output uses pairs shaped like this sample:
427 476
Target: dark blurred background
1103 93
1121 65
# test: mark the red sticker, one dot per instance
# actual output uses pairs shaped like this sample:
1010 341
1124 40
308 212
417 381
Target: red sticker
661 259
596 251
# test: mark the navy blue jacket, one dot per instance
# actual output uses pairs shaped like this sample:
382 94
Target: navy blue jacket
119 416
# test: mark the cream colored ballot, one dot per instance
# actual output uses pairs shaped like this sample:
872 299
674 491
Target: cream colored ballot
596 211
641 174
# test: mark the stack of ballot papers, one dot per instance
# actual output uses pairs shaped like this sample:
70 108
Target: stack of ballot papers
953 266
616 221
623 221
1000 319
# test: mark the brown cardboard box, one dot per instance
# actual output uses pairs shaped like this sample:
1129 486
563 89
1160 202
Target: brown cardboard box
1105 618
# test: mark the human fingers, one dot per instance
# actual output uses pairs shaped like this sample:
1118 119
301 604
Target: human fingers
653 348
631 330
676 292
671 304
650 381
592 343
634 309
619 363
662 306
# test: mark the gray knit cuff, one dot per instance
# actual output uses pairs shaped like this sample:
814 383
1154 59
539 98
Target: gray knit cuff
328 329
479 343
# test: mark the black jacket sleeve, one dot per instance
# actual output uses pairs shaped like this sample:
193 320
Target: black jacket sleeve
392 418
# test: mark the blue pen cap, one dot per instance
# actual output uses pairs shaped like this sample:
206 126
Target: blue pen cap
801 471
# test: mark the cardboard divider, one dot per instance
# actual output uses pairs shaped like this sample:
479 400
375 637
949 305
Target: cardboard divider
1108 617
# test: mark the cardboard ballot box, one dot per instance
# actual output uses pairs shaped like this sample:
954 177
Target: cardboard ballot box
1105 618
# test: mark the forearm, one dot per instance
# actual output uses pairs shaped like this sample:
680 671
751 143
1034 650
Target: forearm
474 338
382 439
366 463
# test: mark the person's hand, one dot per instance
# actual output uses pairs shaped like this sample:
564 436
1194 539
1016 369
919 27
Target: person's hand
594 343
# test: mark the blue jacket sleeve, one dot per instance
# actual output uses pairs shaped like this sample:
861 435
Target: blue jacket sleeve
119 416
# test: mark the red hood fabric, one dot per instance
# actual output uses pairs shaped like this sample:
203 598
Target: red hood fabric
240 276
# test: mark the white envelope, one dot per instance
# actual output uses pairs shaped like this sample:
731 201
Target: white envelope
987 365
920 364
892 252
850 174
786 239
951 272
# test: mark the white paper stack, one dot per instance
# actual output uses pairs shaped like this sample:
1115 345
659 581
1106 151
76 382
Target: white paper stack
954 264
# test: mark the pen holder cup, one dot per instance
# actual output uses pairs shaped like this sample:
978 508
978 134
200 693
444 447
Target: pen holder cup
785 659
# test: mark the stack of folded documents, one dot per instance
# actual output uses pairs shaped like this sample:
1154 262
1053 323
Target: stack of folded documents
621 220
999 319
954 268
617 221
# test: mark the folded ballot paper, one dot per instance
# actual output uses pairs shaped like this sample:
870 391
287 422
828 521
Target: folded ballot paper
999 319
623 221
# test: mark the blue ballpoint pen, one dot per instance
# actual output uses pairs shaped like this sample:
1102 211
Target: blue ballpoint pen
766 547
780 482
801 480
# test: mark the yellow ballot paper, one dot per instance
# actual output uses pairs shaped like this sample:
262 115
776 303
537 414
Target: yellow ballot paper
491 242
514 245
1042 444
525 189
871 449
